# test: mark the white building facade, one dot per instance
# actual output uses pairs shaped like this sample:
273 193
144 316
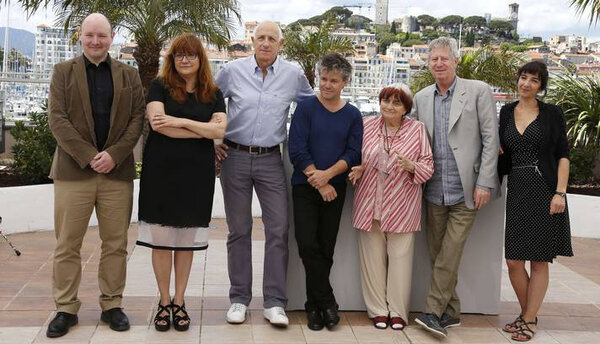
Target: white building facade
568 44
52 45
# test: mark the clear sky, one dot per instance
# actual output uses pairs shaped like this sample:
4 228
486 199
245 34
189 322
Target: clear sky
536 17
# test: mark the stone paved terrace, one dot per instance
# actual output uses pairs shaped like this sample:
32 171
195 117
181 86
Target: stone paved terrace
570 315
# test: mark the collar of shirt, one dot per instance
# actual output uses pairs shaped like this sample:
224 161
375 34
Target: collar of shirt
450 90
271 69
89 63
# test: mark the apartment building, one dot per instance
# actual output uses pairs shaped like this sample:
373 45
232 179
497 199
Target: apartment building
355 37
249 28
396 50
53 45
568 44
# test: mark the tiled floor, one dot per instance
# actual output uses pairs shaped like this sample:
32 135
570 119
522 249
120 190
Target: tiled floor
571 314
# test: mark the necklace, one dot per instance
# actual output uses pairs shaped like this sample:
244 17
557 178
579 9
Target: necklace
387 143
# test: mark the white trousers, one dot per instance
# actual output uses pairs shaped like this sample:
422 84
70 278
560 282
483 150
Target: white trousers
386 261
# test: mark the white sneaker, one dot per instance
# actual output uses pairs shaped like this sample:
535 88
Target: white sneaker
276 316
236 313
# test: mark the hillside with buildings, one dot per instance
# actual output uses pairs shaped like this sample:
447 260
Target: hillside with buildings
386 51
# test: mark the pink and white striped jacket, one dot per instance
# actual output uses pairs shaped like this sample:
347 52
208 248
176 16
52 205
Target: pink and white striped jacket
401 204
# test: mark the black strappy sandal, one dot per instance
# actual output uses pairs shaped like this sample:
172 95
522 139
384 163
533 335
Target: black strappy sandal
176 309
162 323
524 333
515 325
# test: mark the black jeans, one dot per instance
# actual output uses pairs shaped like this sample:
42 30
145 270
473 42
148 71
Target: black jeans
316 225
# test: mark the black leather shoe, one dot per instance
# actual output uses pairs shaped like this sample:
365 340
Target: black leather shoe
315 320
116 319
331 317
59 326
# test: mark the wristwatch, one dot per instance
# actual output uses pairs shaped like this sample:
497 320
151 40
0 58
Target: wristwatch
561 194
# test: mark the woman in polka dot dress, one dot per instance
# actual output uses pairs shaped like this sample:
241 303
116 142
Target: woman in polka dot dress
535 156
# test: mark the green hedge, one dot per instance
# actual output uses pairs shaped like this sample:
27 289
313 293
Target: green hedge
582 162
33 150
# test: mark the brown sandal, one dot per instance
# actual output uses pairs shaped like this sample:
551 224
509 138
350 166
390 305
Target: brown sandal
515 325
524 333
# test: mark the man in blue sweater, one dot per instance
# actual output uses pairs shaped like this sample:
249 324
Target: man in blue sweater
325 142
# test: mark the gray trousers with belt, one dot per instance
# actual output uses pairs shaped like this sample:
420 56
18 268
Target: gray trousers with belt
241 172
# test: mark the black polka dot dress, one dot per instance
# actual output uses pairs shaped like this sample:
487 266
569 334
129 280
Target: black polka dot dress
531 232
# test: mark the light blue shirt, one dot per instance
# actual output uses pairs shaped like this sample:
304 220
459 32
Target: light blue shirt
444 187
258 110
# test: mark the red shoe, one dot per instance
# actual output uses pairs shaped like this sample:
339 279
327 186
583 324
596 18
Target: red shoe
380 322
398 323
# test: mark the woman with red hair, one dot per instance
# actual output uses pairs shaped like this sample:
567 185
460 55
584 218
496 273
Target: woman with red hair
186 112
396 161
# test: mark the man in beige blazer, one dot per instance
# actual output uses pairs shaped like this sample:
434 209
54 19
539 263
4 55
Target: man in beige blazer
96 108
460 116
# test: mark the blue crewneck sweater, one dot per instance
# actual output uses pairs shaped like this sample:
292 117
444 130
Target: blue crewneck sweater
322 138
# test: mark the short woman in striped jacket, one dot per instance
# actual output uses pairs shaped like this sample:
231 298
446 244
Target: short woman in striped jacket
396 161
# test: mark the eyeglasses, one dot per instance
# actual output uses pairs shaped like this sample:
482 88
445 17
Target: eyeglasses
190 57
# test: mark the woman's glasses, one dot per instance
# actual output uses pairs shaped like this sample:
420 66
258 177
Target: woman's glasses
189 57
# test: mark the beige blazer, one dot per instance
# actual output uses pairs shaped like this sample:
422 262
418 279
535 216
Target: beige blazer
71 121
472 133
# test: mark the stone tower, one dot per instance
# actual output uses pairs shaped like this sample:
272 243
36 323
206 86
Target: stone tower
513 16
381 11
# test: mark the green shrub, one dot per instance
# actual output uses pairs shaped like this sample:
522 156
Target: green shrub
33 150
582 164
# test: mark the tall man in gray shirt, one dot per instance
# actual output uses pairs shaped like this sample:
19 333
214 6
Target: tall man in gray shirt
260 89
460 116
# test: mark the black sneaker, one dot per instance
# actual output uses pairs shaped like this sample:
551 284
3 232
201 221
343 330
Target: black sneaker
447 321
431 323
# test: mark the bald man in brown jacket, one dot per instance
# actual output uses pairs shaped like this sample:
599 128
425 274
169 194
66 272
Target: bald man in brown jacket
96 110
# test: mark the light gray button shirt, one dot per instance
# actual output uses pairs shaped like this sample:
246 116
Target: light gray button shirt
444 187
257 110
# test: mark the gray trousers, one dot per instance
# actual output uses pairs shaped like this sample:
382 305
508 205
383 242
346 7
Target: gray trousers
241 172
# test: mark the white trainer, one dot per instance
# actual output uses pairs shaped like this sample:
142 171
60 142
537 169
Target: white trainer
236 313
276 316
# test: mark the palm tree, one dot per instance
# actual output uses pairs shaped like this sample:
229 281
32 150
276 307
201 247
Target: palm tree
592 5
495 67
151 22
580 100
308 46
421 80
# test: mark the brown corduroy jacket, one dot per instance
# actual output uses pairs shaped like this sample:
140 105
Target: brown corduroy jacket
72 123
